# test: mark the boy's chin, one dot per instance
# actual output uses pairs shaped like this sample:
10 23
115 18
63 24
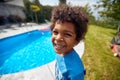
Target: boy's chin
60 53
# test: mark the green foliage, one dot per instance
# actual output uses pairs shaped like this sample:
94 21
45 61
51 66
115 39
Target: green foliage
40 15
35 8
110 13
45 13
108 23
89 13
62 2
98 58
28 10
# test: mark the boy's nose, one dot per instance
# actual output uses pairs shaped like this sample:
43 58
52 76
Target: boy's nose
59 37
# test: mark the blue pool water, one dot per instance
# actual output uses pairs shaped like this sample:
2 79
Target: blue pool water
25 51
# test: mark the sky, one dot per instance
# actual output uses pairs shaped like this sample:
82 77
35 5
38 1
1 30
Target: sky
73 2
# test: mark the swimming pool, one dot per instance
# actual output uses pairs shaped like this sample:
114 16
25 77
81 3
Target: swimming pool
25 51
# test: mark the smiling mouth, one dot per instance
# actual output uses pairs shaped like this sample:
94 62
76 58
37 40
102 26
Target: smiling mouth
58 47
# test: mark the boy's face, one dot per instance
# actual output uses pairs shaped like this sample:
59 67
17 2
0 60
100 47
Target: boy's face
64 37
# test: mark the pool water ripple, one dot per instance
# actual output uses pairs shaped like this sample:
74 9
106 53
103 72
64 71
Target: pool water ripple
37 53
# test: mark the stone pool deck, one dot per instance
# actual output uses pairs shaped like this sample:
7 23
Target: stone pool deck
45 72
14 29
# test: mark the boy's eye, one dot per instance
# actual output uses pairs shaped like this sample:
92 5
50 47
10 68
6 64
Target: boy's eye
54 32
67 35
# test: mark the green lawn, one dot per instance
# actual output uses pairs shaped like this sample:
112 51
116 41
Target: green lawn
98 58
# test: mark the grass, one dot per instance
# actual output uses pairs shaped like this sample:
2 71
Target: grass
98 58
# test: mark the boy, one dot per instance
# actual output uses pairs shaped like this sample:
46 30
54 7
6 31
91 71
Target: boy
69 26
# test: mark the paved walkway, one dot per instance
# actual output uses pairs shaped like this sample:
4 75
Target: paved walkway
45 72
14 29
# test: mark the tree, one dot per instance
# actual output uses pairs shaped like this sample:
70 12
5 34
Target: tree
62 2
35 9
111 8
32 7
89 12
27 10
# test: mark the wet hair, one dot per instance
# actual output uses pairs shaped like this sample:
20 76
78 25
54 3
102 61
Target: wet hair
75 15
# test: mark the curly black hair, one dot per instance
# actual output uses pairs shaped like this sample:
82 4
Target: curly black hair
75 15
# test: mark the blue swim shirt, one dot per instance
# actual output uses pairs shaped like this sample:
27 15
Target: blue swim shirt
69 67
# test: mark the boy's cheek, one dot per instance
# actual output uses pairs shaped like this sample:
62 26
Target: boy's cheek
52 39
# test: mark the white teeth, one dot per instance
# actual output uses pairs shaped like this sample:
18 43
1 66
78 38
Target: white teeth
59 46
